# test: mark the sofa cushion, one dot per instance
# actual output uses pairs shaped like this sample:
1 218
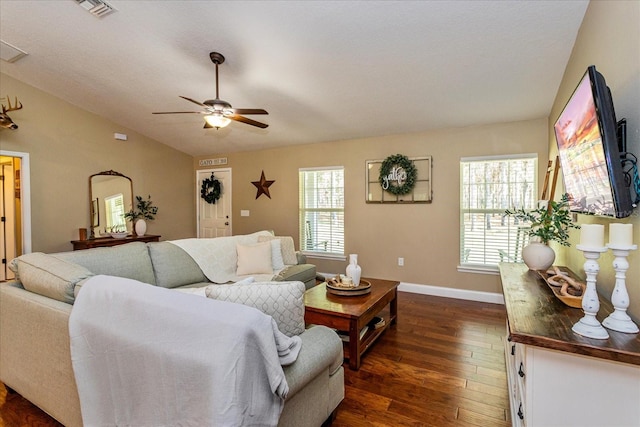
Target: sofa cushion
254 259
288 248
302 273
172 266
131 261
284 301
49 276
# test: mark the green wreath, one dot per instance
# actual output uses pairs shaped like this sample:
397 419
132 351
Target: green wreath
399 169
211 189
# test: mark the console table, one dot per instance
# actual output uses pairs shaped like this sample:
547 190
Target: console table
557 377
100 242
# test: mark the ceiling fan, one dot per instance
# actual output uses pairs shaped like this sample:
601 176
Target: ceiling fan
219 113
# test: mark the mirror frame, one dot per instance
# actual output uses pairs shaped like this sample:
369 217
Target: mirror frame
94 219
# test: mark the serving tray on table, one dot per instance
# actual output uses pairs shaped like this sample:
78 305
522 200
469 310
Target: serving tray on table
362 289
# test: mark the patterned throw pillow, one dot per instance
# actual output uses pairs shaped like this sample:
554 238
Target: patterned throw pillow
288 248
284 301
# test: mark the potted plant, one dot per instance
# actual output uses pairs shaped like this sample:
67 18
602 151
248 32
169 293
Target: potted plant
548 223
144 210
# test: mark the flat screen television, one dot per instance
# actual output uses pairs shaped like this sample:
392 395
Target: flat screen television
586 133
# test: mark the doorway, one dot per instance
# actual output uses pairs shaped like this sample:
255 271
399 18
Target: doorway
15 209
214 219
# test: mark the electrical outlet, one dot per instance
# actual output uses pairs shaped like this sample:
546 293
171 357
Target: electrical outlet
401 261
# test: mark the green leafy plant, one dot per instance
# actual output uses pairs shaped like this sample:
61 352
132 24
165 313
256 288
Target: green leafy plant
144 209
548 223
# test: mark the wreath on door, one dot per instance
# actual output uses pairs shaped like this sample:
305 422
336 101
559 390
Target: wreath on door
211 189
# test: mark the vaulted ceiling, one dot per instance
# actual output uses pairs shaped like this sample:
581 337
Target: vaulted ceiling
324 70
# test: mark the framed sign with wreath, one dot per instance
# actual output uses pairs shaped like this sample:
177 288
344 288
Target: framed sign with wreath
398 179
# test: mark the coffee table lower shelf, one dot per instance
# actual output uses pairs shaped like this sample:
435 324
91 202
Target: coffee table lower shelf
352 313
369 338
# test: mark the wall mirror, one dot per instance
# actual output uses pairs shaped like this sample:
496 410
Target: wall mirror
111 195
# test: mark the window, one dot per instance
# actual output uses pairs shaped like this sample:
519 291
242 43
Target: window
114 211
322 211
489 186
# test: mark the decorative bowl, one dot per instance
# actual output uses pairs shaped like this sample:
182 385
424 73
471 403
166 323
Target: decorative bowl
120 235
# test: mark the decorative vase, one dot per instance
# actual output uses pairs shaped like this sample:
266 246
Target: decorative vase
140 227
353 269
538 256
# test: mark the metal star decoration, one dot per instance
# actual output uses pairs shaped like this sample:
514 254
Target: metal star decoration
262 186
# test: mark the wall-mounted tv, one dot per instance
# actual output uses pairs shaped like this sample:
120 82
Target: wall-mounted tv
586 133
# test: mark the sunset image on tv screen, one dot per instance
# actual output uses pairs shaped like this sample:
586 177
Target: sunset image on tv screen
582 155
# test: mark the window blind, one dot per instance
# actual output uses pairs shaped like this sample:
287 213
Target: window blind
489 186
114 209
321 202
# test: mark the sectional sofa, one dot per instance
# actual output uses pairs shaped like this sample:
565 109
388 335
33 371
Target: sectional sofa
35 357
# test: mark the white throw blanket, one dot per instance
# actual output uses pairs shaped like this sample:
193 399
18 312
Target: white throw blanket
217 257
148 356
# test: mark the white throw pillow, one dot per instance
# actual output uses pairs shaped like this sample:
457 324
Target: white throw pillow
276 254
288 249
254 259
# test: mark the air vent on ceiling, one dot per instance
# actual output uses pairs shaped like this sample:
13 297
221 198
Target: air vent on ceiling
97 8
10 53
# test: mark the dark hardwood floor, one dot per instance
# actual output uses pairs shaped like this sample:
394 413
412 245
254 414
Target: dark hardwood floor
441 365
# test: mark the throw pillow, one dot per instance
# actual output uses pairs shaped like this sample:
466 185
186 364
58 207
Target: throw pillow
284 301
254 259
49 276
288 249
276 254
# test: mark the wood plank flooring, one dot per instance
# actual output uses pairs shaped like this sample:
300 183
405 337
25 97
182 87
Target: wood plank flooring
441 365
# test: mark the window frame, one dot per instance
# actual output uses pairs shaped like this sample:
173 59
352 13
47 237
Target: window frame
112 212
302 214
515 236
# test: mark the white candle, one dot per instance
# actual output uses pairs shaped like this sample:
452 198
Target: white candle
621 234
592 235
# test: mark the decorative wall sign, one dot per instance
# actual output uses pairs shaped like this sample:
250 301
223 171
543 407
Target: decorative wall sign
398 179
262 186
397 175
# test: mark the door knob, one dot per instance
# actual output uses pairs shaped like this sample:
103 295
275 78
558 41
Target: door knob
226 223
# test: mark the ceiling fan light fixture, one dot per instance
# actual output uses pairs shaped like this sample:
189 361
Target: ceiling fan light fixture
217 120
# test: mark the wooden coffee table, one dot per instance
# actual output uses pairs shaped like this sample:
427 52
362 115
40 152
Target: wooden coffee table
352 313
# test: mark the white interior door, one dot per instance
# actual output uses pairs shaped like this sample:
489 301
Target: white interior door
214 220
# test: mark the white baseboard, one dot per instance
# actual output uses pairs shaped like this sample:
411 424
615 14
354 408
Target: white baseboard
439 291
464 294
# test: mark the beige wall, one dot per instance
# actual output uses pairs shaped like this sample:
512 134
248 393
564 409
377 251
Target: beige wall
426 235
609 38
67 144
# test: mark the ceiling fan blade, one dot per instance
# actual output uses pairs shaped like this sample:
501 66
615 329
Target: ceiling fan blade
194 101
248 111
181 112
246 120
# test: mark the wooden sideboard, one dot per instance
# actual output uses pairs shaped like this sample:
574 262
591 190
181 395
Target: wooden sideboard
100 242
557 377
